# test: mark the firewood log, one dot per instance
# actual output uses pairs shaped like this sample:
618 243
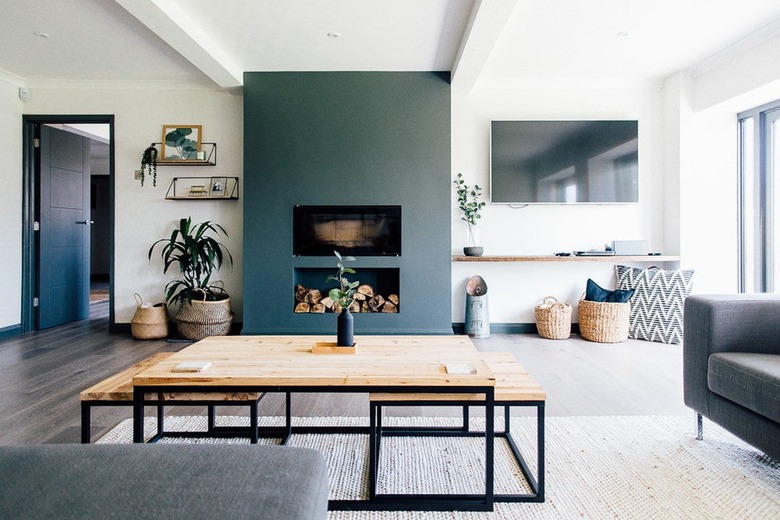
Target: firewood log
366 289
355 307
300 292
393 298
302 308
327 302
364 307
313 296
336 308
318 308
376 303
389 307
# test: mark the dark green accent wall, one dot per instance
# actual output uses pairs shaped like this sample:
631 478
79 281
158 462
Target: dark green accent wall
347 138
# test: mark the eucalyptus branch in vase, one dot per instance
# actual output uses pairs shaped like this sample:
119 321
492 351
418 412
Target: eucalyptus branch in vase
344 294
470 205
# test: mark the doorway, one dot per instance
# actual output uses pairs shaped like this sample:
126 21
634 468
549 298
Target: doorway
68 213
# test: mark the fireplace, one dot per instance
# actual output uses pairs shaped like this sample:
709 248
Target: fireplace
350 230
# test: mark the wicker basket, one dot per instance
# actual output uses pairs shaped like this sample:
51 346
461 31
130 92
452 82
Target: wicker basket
199 319
149 322
604 322
553 318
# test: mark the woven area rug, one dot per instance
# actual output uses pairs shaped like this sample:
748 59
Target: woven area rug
597 467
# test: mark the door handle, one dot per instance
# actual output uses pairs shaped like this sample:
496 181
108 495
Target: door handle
85 222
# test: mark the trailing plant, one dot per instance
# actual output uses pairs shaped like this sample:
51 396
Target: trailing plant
344 294
469 203
149 164
197 255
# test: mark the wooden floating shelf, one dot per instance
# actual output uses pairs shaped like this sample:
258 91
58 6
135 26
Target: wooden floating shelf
573 258
210 150
203 188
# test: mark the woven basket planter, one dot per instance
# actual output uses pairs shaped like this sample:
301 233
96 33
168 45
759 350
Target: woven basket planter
199 319
553 318
149 322
604 322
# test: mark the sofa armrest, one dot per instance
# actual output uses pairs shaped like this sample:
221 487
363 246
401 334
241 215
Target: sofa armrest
725 323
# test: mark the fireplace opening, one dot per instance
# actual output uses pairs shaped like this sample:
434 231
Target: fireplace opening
350 230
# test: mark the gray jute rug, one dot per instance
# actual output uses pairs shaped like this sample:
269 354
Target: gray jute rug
597 467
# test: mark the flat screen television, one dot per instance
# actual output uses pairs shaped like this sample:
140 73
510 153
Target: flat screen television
564 162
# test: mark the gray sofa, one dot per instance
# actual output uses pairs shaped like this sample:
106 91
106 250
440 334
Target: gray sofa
87 481
731 365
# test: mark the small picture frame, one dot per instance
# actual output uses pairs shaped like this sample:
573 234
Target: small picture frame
181 142
218 187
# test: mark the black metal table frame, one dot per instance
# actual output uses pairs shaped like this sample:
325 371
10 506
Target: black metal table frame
378 430
388 502
212 429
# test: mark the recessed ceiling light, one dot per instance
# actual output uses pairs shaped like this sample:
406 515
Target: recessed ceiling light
333 35
41 34
622 34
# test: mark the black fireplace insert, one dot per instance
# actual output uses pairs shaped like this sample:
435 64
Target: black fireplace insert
350 230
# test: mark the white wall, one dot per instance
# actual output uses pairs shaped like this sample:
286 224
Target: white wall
743 77
515 288
10 205
142 215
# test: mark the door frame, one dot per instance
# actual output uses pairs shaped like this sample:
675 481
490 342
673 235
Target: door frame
29 238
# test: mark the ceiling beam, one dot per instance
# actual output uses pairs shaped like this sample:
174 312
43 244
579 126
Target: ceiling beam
174 27
485 25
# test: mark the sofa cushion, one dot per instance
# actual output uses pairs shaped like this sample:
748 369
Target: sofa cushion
192 481
750 380
595 293
658 301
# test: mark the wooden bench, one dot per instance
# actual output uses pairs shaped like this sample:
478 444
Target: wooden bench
117 390
514 387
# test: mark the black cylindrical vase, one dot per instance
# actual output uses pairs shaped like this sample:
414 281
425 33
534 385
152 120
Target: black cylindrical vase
346 329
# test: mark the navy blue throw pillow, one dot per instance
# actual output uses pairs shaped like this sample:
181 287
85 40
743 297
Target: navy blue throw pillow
595 293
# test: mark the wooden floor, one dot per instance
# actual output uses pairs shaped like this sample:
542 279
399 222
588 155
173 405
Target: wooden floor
42 374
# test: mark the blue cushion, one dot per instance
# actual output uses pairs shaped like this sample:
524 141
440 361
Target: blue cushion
596 293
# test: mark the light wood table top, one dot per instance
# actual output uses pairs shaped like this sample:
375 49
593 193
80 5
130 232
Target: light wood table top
392 361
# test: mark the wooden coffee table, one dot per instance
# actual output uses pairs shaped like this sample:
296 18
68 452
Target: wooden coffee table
387 364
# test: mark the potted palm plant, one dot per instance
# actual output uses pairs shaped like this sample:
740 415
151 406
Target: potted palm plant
204 305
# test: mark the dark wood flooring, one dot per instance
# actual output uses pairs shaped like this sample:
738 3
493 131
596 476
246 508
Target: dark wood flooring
42 373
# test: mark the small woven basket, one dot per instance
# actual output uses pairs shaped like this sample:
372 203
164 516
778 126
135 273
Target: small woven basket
604 322
149 322
553 318
199 319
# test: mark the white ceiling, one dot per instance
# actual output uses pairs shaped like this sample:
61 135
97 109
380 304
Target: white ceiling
210 44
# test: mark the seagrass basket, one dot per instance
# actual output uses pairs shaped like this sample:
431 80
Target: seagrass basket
149 322
553 318
604 322
200 318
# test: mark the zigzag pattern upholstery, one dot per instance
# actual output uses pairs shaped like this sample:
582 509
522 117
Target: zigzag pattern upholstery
657 304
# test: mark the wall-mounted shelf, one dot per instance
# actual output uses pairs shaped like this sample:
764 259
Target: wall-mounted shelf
210 157
573 258
203 188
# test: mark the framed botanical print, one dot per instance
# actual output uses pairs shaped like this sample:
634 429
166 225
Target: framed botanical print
181 142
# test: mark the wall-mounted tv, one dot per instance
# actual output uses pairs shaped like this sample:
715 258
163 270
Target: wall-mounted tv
564 162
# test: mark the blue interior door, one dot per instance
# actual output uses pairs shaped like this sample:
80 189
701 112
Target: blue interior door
64 216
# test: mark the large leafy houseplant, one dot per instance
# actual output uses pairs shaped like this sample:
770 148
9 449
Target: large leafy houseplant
197 255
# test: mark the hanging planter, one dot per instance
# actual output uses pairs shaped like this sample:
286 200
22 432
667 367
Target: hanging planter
149 164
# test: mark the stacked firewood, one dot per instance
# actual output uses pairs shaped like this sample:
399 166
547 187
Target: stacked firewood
309 300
